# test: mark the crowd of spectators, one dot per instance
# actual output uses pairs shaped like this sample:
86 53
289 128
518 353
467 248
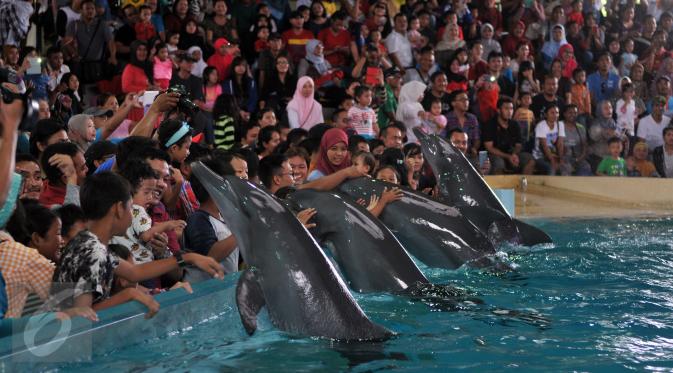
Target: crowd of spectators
293 95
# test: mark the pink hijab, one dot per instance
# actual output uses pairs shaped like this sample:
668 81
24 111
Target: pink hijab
570 65
308 109
332 137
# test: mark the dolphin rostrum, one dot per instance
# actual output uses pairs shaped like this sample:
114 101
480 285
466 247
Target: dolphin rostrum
436 234
460 185
292 276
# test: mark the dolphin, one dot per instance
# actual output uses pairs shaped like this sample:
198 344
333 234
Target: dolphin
292 276
460 185
436 234
370 257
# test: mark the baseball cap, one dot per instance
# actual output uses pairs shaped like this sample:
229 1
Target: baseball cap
391 72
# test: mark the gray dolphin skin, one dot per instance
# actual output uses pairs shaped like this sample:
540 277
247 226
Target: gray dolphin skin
460 185
292 277
370 257
436 234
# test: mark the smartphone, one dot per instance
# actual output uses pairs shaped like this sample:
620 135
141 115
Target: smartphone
35 66
483 155
372 76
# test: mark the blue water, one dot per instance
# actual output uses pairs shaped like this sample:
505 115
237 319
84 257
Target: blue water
605 285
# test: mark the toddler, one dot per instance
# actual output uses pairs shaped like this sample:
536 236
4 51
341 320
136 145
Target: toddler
163 67
364 162
145 30
262 42
172 45
362 117
434 121
627 114
628 58
579 94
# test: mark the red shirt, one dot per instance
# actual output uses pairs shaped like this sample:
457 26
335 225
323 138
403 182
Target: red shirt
52 195
221 64
331 42
145 31
134 80
159 215
488 102
478 69
296 44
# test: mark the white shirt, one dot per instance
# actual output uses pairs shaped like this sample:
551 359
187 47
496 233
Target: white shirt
222 232
652 131
551 135
626 116
399 45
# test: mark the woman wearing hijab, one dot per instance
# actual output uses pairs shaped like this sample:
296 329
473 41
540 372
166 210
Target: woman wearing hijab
314 64
199 64
511 42
303 111
333 154
450 42
409 109
602 129
551 48
137 75
566 54
487 40
190 36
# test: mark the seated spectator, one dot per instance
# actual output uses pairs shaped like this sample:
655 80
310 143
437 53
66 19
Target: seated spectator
549 138
72 222
28 167
219 25
336 40
459 117
298 159
662 156
602 129
81 130
43 227
502 140
551 47
638 164
362 118
175 138
279 85
296 38
409 109
98 153
269 139
488 41
314 64
65 168
190 36
613 165
650 128
178 17
144 28
224 55
604 83
276 173
143 180
242 87
226 116
392 136
303 111
138 75
106 202
55 67
576 144
70 89
333 154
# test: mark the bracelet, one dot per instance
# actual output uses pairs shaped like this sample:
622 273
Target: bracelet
180 260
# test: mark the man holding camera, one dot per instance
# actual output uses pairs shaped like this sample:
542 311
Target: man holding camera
192 84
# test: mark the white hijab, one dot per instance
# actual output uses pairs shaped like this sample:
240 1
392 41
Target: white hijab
408 103
198 66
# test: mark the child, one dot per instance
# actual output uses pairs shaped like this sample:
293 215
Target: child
211 88
206 232
488 92
145 30
143 180
376 38
580 96
262 42
525 117
163 67
627 114
614 164
106 202
172 45
576 13
434 122
365 162
361 116
628 58
413 34
175 138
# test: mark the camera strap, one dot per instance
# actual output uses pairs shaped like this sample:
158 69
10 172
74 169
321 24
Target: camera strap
86 51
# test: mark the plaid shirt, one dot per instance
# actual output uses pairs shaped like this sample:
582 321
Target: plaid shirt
25 271
15 16
471 126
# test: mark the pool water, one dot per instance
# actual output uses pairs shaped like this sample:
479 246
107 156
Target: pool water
605 285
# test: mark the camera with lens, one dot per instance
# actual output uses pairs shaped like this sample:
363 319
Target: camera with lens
30 111
185 105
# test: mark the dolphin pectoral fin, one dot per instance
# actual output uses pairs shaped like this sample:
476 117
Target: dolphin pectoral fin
531 235
249 299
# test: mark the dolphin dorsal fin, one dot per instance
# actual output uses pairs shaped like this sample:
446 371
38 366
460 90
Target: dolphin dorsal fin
249 299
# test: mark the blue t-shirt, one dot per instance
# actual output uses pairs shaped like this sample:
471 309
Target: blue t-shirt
107 165
314 175
603 89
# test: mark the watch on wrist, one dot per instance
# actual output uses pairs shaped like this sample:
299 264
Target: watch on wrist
180 260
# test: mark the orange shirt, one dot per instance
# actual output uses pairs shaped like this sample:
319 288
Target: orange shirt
581 97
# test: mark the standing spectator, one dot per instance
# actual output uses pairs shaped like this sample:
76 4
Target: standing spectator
184 77
336 40
89 36
398 45
224 55
604 83
303 111
296 38
137 75
502 139
362 117
16 18
663 154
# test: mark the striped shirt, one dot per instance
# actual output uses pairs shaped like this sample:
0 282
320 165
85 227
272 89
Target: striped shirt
225 133
25 271
362 120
